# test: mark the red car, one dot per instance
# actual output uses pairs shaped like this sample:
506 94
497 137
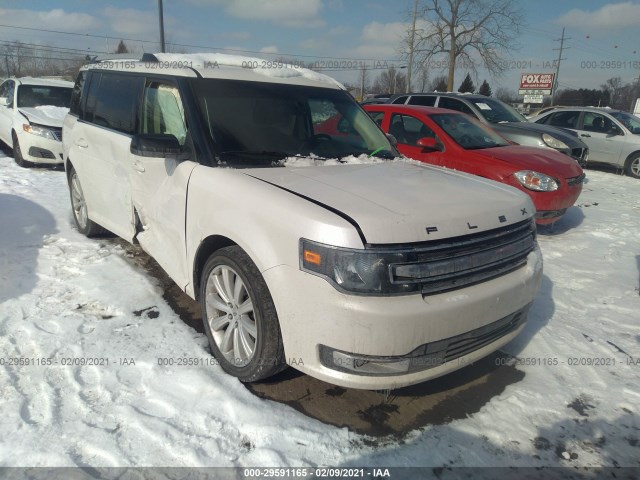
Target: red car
455 140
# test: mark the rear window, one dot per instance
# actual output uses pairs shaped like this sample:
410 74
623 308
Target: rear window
423 100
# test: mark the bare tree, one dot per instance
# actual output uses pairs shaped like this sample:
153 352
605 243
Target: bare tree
439 84
507 95
474 32
614 86
391 81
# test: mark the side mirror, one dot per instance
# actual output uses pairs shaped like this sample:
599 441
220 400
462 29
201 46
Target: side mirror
158 146
392 139
4 101
429 144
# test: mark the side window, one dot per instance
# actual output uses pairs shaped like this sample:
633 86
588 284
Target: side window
400 100
408 130
425 101
453 104
563 119
594 122
76 95
6 91
116 101
163 112
377 117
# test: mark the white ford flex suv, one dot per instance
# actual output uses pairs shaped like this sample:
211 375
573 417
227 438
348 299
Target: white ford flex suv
271 197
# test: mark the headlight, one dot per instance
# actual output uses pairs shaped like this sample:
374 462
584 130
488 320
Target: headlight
536 181
353 270
40 131
554 142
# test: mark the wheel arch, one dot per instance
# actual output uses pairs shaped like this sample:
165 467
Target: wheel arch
632 155
207 247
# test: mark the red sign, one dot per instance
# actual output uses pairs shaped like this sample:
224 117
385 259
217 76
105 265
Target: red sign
537 81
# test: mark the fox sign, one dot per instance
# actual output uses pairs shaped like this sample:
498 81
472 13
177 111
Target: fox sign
536 81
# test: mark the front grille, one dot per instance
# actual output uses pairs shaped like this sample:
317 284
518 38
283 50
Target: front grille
581 155
451 264
576 180
57 133
426 356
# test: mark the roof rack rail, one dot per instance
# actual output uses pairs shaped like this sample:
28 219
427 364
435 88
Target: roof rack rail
114 56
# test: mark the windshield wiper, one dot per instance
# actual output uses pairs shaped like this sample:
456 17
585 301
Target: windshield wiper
382 153
258 153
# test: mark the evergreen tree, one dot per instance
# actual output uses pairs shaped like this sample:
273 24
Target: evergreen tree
485 89
122 47
467 85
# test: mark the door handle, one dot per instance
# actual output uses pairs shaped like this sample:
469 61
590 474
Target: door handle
81 142
585 135
138 168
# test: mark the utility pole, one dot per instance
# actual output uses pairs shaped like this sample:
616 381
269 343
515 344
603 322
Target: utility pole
412 46
362 78
6 61
555 81
161 19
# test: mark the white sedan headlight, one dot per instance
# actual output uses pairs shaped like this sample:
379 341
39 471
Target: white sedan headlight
554 142
536 181
40 131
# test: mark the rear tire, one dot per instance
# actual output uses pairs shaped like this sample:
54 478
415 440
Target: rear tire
79 207
632 166
240 317
17 153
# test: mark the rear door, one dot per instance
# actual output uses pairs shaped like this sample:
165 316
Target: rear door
99 148
159 185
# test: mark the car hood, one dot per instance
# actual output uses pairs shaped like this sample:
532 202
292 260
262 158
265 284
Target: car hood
543 160
45 115
519 128
395 202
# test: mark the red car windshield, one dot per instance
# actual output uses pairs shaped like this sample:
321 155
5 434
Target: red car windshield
467 132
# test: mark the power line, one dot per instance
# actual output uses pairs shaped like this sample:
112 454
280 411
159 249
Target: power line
238 50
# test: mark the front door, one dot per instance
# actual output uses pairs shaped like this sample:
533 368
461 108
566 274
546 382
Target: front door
159 185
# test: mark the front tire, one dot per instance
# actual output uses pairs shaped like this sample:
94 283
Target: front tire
79 207
17 153
632 167
240 317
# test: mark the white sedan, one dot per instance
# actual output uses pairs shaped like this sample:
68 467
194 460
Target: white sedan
31 114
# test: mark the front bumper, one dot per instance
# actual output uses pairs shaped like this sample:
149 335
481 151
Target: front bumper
37 149
317 321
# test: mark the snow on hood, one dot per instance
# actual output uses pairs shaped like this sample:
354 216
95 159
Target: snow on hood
201 59
45 115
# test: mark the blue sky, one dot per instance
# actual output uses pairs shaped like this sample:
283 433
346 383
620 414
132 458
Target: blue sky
603 35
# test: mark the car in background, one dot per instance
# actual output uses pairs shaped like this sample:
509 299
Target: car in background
503 119
31 114
454 140
613 136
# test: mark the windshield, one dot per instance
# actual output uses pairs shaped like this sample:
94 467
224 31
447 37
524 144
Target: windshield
497 112
467 132
630 121
260 122
37 95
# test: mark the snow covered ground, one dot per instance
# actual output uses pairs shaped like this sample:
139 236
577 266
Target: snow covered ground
65 298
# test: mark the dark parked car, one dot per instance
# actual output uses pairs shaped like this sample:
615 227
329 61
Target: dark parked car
503 119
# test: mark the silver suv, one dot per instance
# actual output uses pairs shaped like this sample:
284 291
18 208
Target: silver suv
504 120
613 136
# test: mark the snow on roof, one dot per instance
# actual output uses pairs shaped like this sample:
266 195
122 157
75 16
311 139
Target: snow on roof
49 82
259 65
